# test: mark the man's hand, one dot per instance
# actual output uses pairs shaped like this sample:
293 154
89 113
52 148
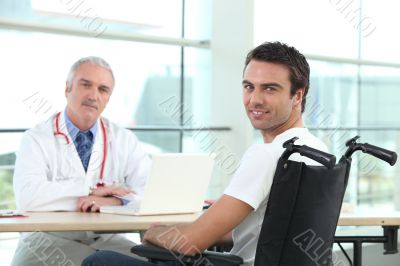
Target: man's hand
111 190
93 203
215 223
151 233
170 237
158 234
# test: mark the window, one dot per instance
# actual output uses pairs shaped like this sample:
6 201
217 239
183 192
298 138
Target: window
156 56
354 76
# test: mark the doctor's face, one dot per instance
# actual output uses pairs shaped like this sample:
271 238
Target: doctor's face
88 94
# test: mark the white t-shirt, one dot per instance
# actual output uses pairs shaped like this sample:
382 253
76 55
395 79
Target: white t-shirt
252 182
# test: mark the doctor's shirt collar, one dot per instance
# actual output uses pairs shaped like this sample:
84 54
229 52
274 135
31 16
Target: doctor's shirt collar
73 130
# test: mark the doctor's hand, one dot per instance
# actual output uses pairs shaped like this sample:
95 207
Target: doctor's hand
93 203
111 190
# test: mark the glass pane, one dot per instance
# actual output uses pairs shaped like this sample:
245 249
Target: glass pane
379 104
312 26
380 22
372 182
378 181
197 88
333 95
145 75
6 188
99 16
9 145
197 24
159 141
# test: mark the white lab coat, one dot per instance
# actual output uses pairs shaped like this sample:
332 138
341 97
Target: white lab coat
49 176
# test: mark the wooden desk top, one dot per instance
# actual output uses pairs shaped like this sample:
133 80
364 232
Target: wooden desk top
78 221
370 219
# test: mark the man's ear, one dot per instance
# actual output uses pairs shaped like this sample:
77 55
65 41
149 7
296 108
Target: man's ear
67 89
298 96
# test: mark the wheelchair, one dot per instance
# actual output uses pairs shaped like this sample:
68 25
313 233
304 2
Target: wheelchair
302 212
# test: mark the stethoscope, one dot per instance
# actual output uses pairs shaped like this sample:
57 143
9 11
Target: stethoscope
103 129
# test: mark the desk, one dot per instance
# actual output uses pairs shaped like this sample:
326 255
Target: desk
79 221
389 221
369 219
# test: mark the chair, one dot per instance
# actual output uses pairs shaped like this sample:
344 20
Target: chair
302 212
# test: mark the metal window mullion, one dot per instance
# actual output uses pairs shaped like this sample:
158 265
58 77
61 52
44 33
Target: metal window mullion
13 24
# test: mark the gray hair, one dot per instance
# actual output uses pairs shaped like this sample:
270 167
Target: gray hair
90 59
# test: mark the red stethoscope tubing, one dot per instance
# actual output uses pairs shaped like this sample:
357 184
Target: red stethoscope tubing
103 129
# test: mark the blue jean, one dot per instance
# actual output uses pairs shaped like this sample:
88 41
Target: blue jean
111 258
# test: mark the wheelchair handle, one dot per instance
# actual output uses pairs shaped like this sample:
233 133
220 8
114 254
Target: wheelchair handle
326 159
323 158
388 156
381 153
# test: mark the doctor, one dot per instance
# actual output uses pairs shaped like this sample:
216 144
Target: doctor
77 161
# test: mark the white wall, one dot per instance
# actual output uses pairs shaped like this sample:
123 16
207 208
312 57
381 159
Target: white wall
232 38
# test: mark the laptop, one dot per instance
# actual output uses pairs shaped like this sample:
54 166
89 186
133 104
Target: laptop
177 184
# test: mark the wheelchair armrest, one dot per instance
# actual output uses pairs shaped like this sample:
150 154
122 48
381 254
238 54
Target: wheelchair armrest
215 258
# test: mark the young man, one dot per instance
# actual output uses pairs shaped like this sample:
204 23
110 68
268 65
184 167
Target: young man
275 85
77 161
